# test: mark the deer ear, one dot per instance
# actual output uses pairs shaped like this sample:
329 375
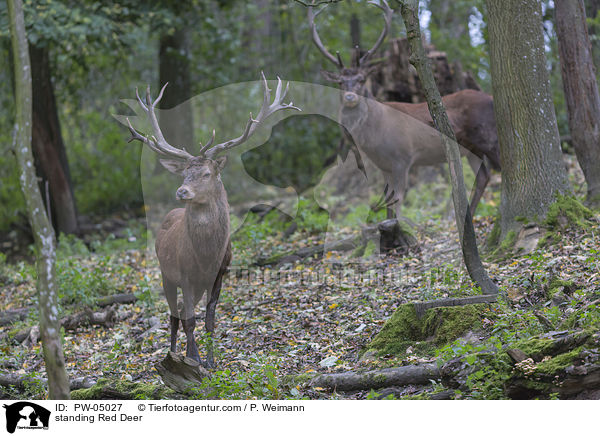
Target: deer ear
332 77
221 161
174 166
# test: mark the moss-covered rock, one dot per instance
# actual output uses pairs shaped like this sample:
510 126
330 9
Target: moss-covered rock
119 389
438 326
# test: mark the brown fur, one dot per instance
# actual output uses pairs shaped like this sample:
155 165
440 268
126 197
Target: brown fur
194 249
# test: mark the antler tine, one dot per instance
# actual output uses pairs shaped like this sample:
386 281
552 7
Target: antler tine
137 136
208 144
339 58
252 124
156 142
387 16
317 40
139 99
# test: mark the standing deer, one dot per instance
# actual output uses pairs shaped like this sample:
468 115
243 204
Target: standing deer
192 244
388 134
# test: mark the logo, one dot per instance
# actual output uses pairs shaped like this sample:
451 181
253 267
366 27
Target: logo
26 415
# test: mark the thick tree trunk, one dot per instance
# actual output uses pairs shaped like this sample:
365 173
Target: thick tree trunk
174 68
48 147
532 168
581 91
464 223
58 383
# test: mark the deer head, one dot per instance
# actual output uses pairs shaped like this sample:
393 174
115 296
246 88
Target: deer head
201 174
351 79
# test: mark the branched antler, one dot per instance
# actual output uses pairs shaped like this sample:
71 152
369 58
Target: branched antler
337 60
266 110
387 16
156 142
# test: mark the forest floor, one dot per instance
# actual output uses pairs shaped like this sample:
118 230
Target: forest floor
297 319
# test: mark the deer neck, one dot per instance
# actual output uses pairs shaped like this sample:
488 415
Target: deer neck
356 119
207 224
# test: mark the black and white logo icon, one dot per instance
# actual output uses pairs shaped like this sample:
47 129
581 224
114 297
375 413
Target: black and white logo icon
26 415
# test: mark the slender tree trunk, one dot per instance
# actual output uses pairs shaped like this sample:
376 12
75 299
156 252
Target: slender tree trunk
581 91
532 168
58 383
48 147
174 68
464 223
591 10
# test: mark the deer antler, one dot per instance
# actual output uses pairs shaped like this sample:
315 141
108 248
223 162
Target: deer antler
266 110
337 60
387 16
157 142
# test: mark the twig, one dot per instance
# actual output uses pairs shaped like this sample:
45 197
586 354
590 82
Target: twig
317 3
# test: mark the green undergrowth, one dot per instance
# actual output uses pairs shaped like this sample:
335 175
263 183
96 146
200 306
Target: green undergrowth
259 380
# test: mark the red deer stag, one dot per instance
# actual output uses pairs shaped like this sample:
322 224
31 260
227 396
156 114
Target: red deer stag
192 244
393 141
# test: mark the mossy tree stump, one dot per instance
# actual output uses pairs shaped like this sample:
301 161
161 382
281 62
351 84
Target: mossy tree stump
433 325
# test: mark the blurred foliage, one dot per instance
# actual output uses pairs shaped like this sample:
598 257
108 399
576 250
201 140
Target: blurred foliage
300 142
100 51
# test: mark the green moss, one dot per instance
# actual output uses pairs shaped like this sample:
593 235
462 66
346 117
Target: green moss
407 228
567 209
556 285
438 326
124 389
494 237
558 363
369 249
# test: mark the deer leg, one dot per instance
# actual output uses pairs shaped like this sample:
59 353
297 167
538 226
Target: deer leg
481 180
188 321
170 290
191 349
209 321
400 184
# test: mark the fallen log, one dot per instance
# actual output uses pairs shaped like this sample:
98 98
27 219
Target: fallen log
420 308
13 315
106 389
104 318
377 379
23 382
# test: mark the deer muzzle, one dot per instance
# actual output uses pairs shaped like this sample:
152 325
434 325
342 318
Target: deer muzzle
349 99
183 193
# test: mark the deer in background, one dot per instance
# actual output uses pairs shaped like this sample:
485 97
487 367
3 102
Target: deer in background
193 243
388 134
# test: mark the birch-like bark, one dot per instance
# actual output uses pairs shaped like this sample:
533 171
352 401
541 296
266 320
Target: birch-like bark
58 383
464 223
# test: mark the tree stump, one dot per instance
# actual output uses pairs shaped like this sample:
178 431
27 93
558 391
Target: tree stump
181 373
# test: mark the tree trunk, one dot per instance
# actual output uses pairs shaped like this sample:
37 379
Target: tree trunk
174 67
464 223
58 383
591 10
581 91
48 147
533 172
